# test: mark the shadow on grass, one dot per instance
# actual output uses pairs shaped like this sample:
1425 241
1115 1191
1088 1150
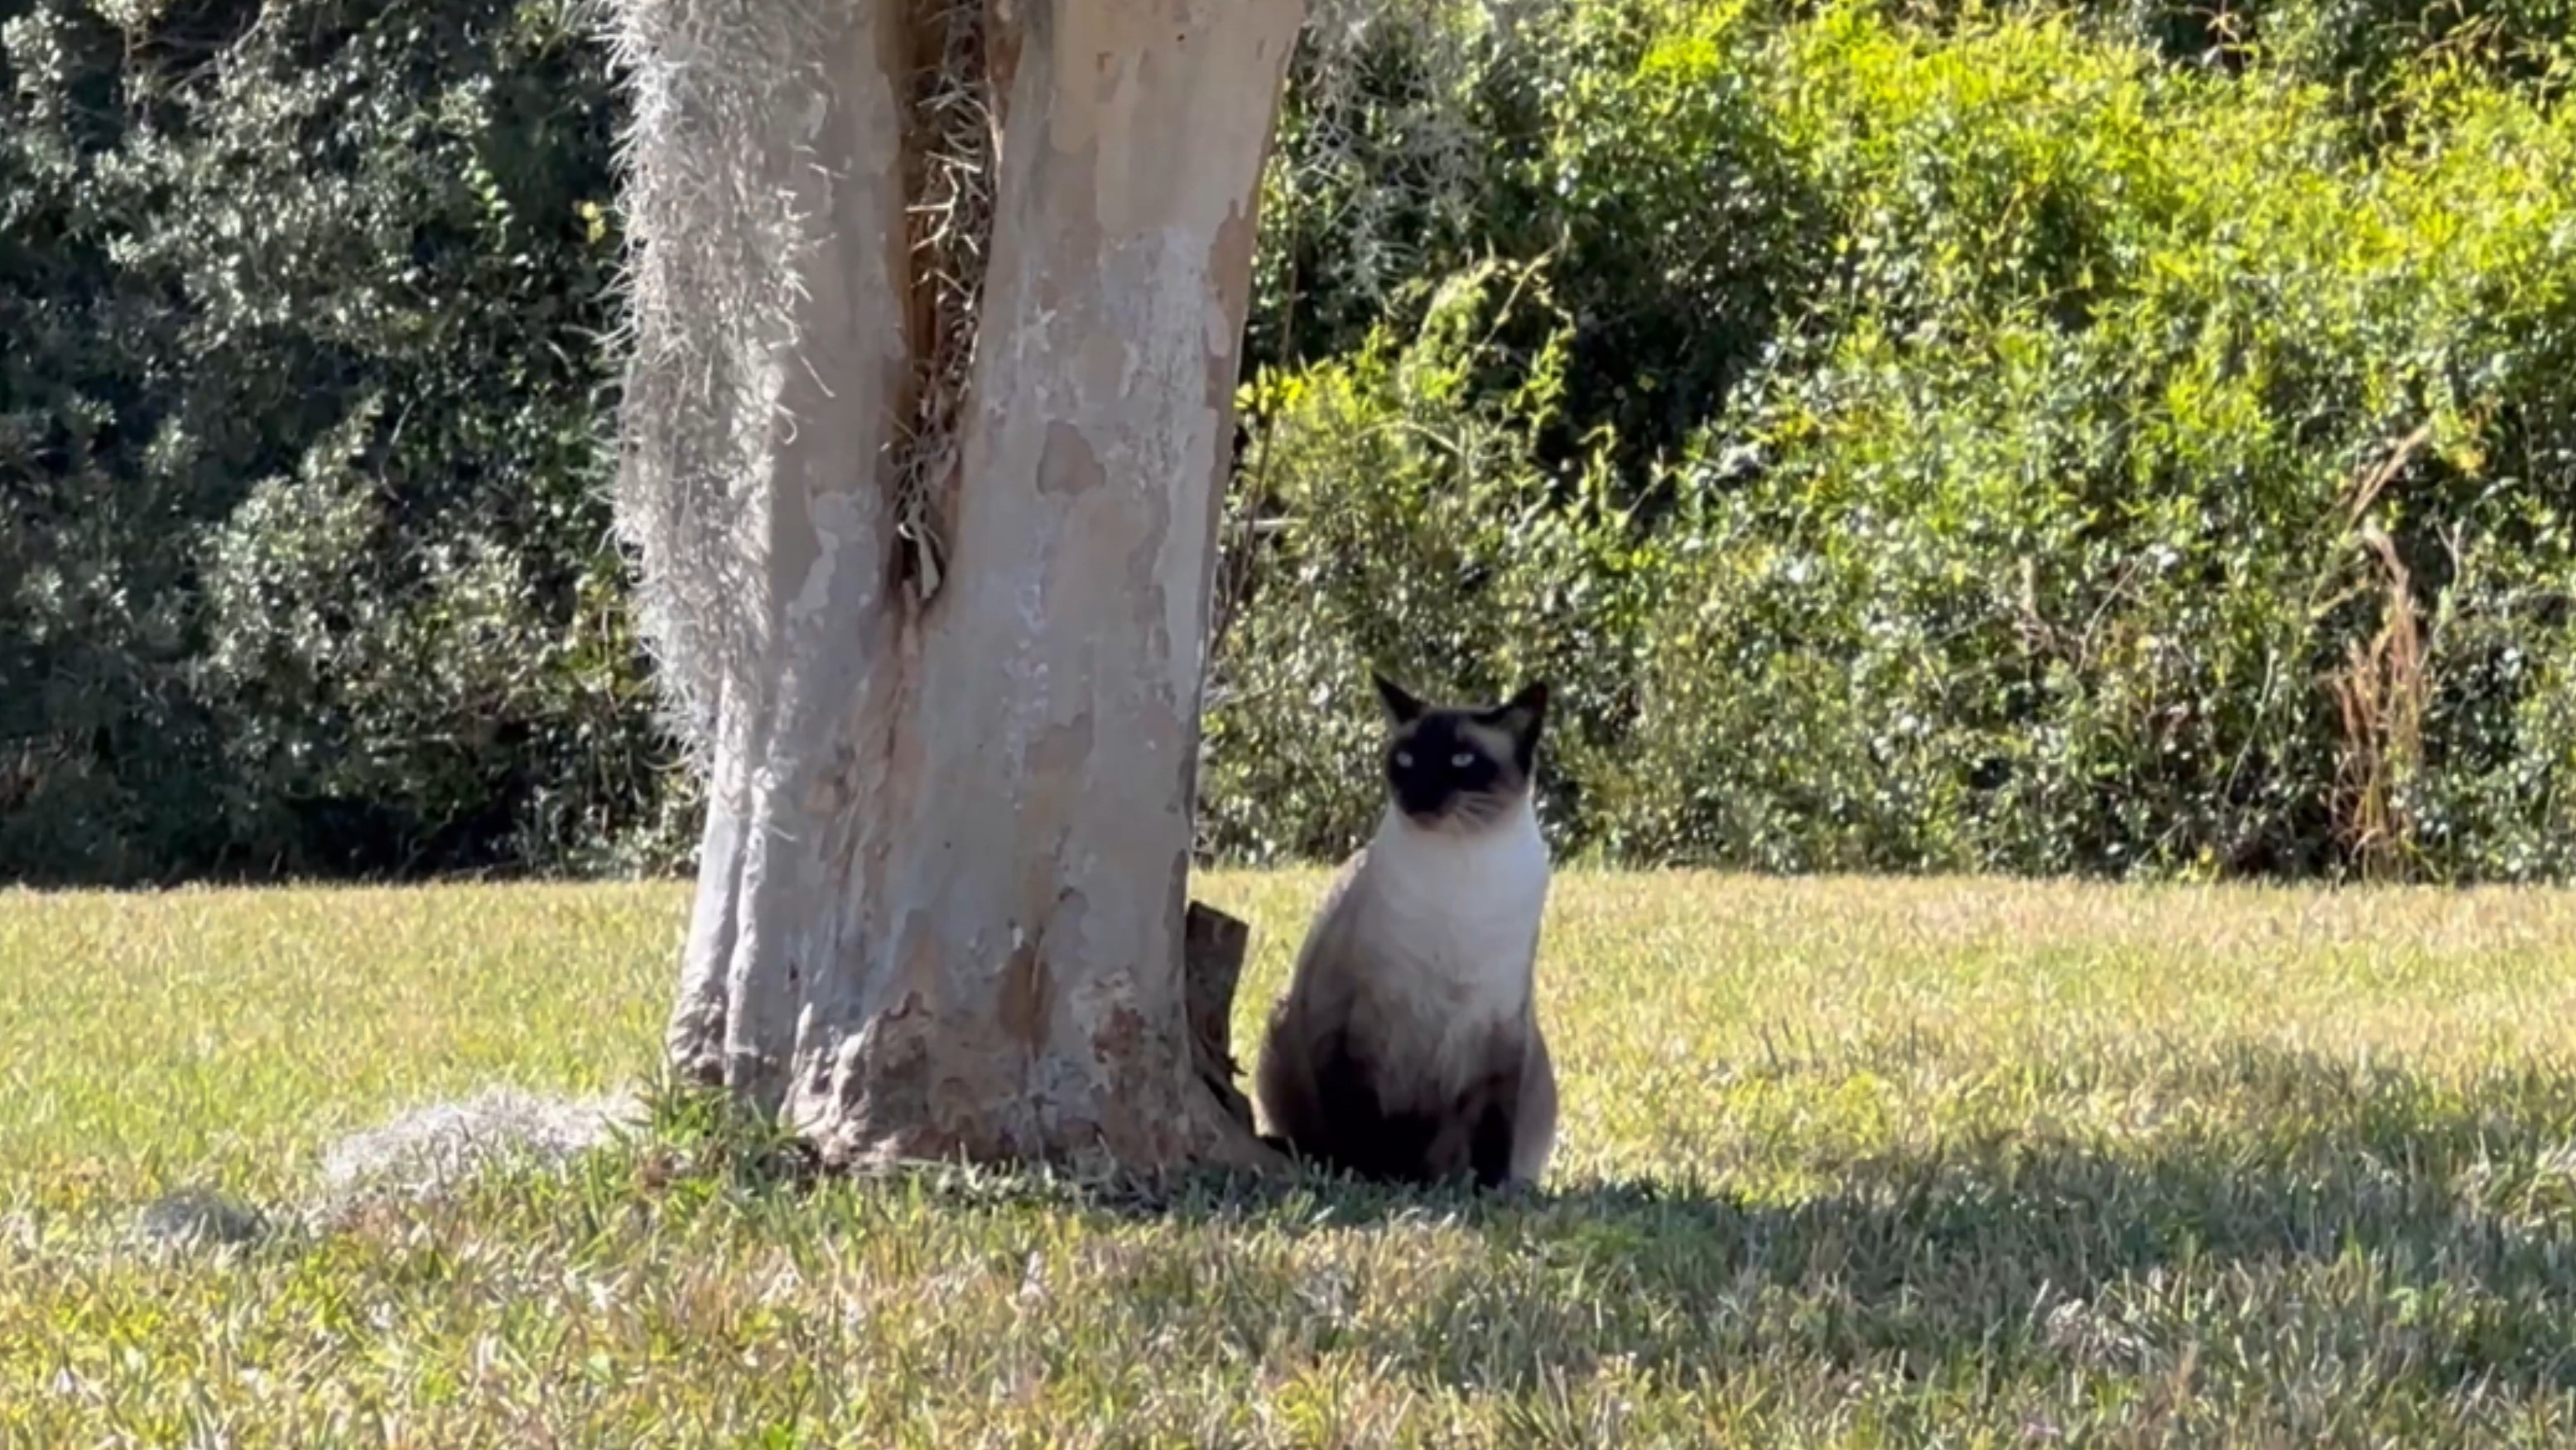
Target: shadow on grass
2271 1223
2358 1226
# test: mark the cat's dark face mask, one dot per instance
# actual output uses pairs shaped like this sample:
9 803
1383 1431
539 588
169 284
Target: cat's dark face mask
1460 767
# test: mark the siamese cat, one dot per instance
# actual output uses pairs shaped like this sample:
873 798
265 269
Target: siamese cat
1407 1047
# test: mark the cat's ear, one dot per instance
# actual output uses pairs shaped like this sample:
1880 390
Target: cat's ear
1401 707
1522 717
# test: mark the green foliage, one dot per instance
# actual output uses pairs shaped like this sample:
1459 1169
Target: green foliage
1911 434
305 565
1462 565
2146 467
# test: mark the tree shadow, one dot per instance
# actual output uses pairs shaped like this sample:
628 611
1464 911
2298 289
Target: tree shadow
2390 1225
2277 1222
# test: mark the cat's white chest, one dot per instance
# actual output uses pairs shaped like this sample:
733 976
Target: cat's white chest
1460 917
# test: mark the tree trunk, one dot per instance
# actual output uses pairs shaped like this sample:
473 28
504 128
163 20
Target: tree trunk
937 625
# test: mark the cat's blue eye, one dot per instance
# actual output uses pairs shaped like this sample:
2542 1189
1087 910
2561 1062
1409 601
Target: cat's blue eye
1463 759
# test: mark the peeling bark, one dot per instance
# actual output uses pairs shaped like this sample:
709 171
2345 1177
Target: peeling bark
942 890
1211 966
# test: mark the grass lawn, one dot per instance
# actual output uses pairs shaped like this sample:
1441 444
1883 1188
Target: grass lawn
1842 1163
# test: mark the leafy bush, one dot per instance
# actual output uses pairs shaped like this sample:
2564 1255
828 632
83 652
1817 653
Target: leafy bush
1409 526
2158 472
1911 434
299 420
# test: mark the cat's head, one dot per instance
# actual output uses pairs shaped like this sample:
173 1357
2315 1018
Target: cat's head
1460 767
